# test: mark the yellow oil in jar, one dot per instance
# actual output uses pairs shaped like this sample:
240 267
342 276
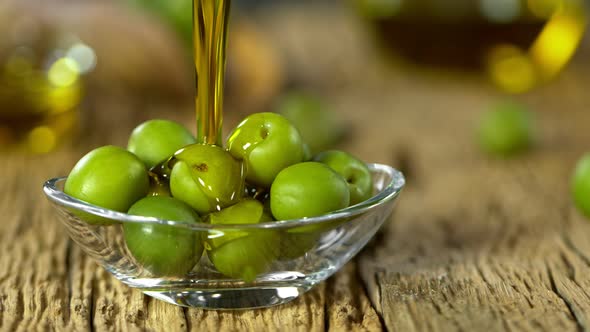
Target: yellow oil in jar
39 108
520 44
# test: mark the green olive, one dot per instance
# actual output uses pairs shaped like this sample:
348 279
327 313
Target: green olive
506 130
242 253
296 244
156 140
164 249
207 178
307 190
247 257
297 241
267 142
581 185
319 127
354 171
109 177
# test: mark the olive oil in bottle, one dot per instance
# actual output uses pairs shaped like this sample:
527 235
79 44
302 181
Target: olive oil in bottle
40 93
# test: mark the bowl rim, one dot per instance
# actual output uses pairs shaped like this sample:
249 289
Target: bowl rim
388 193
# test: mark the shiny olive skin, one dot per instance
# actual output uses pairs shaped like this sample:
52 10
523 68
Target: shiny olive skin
109 177
242 253
156 140
354 171
207 178
247 257
307 190
267 142
164 250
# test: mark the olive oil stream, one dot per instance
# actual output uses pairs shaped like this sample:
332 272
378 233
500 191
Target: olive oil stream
210 30
210 26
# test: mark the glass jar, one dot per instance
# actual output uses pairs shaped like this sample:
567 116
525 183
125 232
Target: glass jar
40 82
519 43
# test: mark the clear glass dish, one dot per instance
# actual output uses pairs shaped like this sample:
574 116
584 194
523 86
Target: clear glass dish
304 251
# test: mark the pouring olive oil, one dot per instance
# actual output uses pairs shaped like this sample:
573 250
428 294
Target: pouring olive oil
187 175
210 26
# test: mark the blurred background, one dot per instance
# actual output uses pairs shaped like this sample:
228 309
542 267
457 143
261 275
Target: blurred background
73 71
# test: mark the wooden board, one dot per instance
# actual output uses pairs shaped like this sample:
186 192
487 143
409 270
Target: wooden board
475 244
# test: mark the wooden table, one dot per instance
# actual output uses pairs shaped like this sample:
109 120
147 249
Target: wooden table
475 244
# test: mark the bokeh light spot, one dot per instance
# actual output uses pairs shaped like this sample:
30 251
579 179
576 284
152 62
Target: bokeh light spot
64 99
511 69
501 11
84 55
63 72
42 140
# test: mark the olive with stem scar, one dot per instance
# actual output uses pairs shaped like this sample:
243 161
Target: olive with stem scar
206 177
267 142
355 172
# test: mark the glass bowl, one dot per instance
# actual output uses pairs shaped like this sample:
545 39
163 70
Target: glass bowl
278 262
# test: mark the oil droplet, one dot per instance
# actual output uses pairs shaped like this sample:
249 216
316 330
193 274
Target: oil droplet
501 11
84 56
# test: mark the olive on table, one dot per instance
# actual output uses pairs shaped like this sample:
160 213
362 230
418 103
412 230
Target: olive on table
580 186
506 130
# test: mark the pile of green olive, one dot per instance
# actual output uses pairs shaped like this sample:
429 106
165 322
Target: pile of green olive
264 173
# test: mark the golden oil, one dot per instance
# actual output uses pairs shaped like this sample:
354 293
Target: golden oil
39 109
210 27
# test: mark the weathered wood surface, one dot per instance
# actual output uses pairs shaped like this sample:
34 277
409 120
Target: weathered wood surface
475 244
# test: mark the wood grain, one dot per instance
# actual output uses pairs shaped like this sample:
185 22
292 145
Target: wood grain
476 243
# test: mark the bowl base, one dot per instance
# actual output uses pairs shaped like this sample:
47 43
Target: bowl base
229 299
